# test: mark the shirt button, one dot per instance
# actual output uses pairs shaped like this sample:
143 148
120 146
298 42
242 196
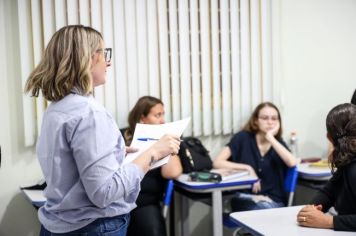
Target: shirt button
260 170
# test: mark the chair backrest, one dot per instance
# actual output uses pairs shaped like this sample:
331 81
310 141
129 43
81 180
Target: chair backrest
167 197
290 183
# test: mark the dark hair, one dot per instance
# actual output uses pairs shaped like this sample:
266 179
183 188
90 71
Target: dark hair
353 99
142 108
341 128
251 123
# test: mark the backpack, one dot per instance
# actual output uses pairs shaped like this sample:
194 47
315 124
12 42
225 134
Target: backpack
194 156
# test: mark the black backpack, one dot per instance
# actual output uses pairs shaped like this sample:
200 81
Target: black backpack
194 156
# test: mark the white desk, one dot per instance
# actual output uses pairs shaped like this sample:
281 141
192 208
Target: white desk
216 189
313 173
35 197
279 222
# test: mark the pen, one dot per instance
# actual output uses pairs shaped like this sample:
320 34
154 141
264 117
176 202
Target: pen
147 139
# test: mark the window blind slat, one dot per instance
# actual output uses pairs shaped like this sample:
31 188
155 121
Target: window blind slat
37 54
26 65
107 31
142 46
267 81
120 62
131 45
184 57
60 13
174 60
225 66
96 23
164 57
196 78
216 71
205 65
72 12
245 59
84 12
153 57
255 53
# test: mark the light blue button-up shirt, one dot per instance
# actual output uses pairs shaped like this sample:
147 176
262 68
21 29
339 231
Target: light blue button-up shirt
81 150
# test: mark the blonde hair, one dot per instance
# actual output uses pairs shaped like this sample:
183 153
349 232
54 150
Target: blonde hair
65 65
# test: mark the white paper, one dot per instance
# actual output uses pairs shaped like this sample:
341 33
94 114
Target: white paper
153 133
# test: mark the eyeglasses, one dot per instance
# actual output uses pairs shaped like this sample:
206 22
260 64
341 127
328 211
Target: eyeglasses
107 53
265 118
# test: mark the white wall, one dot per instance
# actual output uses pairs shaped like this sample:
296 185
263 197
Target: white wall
317 52
318 66
19 165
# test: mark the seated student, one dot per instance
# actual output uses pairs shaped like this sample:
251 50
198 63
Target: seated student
147 218
340 191
259 149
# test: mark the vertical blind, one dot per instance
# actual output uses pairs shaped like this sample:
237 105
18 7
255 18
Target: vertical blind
210 60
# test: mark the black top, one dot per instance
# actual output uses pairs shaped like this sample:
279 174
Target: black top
270 168
340 192
152 188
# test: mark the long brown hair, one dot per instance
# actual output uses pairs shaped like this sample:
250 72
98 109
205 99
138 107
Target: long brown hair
341 128
251 123
142 108
65 65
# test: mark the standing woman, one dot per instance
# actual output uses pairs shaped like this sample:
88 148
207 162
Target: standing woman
80 148
340 191
259 149
147 218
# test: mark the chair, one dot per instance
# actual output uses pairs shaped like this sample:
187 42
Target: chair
290 184
167 197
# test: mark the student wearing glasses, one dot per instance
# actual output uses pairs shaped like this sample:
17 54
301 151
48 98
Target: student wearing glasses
340 191
80 148
259 149
147 218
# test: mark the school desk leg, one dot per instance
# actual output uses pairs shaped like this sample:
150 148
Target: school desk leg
217 213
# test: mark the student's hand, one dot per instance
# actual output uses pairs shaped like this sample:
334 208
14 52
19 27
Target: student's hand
312 216
168 144
256 187
131 149
259 198
272 132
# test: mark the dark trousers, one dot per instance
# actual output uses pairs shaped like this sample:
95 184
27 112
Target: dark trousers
147 221
110 226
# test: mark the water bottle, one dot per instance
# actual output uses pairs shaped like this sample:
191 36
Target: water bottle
293 144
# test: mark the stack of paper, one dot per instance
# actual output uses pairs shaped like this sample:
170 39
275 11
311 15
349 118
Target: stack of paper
227 174
146 135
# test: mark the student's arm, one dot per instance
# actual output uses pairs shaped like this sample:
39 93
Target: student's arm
325 196
287 157
345 223
221 161
173 168
312 216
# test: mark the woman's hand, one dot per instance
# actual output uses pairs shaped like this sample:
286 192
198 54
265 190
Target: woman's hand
168 144
312 216
131 149
256 187
272 132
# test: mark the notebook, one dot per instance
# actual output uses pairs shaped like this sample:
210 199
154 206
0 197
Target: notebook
227 174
